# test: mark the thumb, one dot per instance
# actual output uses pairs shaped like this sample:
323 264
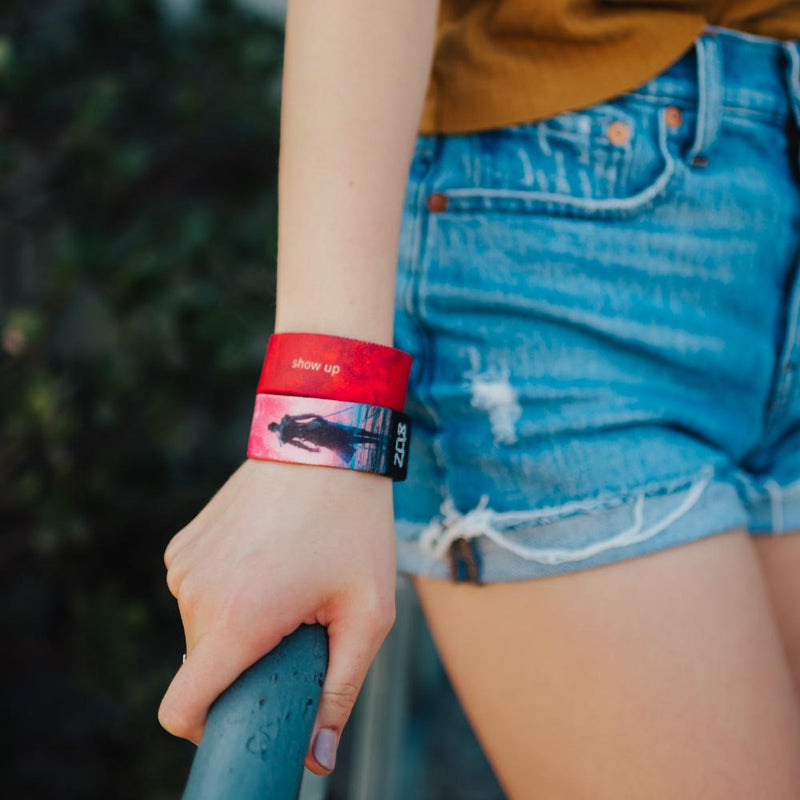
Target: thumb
353 641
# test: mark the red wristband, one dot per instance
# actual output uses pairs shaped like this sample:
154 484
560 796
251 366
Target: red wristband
335 367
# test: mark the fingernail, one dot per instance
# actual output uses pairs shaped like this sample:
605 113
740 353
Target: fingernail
325 747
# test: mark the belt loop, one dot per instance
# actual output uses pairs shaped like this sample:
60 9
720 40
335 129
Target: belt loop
709 96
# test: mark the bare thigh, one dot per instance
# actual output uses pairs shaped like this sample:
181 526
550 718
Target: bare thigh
780 561
662 676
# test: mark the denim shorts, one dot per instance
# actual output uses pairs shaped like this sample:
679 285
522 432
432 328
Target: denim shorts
603 308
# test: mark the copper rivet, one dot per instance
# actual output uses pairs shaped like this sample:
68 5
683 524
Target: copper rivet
619 132
674 116
437 201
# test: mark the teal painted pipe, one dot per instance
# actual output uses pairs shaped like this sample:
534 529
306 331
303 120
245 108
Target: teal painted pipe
258 730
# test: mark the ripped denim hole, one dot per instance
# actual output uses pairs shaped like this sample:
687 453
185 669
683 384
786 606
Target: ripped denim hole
481 520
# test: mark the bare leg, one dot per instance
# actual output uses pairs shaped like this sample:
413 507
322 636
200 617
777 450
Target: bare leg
660 677
780 562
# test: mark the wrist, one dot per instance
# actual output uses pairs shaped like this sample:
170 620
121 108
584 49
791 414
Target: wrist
336 401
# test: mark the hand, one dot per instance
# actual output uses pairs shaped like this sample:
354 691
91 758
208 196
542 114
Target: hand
279 545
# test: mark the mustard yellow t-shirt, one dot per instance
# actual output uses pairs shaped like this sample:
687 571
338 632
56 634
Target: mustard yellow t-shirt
499 62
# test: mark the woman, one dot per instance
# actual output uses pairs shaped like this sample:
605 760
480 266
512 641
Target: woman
597 216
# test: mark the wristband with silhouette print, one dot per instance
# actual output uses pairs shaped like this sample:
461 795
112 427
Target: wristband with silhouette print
330 432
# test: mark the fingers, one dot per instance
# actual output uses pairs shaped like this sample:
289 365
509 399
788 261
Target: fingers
214 662
353 638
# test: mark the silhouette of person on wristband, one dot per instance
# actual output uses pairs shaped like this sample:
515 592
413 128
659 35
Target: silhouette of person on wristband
313 432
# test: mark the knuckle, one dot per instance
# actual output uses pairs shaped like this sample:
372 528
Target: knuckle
173 582
379 612
234 610
189 592
175 544
382 623
177 572
170 551
390 615
342 697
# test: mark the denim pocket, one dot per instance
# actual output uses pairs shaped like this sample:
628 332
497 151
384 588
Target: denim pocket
614 158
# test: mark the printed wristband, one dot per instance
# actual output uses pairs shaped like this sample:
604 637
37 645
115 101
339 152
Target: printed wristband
331 433
335 367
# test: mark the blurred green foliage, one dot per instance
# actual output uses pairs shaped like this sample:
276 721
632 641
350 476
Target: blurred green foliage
137 251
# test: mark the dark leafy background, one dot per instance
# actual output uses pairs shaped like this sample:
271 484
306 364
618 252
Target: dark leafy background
138 212
137 250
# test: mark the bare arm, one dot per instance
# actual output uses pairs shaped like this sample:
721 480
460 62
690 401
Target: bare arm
355 73
282 544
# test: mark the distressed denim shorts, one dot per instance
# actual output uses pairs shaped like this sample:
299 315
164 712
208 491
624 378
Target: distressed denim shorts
603 309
